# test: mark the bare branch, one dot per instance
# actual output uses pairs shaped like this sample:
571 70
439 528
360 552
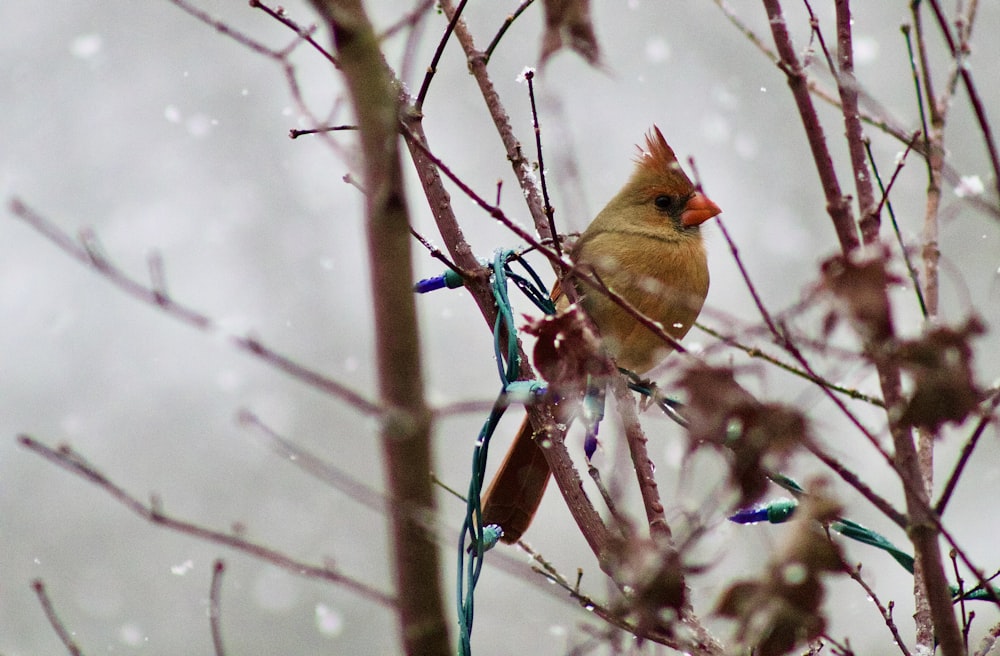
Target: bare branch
989 415
885 612
406 429
635 437
155 295
836 204
75 463
520 164
848 86
756 352
57 625
214 606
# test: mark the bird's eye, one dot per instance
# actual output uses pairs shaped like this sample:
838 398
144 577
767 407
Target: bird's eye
664 203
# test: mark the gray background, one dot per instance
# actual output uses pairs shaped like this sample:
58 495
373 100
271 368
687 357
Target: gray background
140 122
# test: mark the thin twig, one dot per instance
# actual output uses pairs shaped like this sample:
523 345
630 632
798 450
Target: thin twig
295 133
504 27
751 287
214 606
756 352
439 255
501 120
90 255
225 29
529 77
836 204
885 189
917 86
50 613
75 463
963 459
691 644
609 502
425 86
960 586
855 481
885 612
304 33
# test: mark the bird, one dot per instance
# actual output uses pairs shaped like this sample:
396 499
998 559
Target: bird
646 246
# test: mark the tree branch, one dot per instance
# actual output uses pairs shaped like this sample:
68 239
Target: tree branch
406 428
73 462
836 204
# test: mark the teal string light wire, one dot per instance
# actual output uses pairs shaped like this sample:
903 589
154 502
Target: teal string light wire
782 510
475 539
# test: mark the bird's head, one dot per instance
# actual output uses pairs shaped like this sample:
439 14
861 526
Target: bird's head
659 187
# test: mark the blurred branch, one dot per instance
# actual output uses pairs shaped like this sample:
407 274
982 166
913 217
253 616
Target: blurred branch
781 335
989 415
756 352
934 121
406 428
877 117
934 142
922 527
959 51
215 606
65 457
364 494
65 636
87 251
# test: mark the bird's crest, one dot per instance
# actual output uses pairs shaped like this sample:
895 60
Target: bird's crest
656 163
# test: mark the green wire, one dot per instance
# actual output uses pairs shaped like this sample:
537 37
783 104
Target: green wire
475 539
782 510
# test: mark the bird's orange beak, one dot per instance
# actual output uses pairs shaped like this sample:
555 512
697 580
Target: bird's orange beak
698 210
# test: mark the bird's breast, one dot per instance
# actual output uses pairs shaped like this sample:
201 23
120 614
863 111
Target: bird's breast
666 279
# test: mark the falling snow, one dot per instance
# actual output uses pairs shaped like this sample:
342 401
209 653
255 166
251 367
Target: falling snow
183 568
657 50
865 50
329 621
86 46
172 114
969 186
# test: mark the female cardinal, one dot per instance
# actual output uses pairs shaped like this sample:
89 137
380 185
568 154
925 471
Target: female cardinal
646 246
